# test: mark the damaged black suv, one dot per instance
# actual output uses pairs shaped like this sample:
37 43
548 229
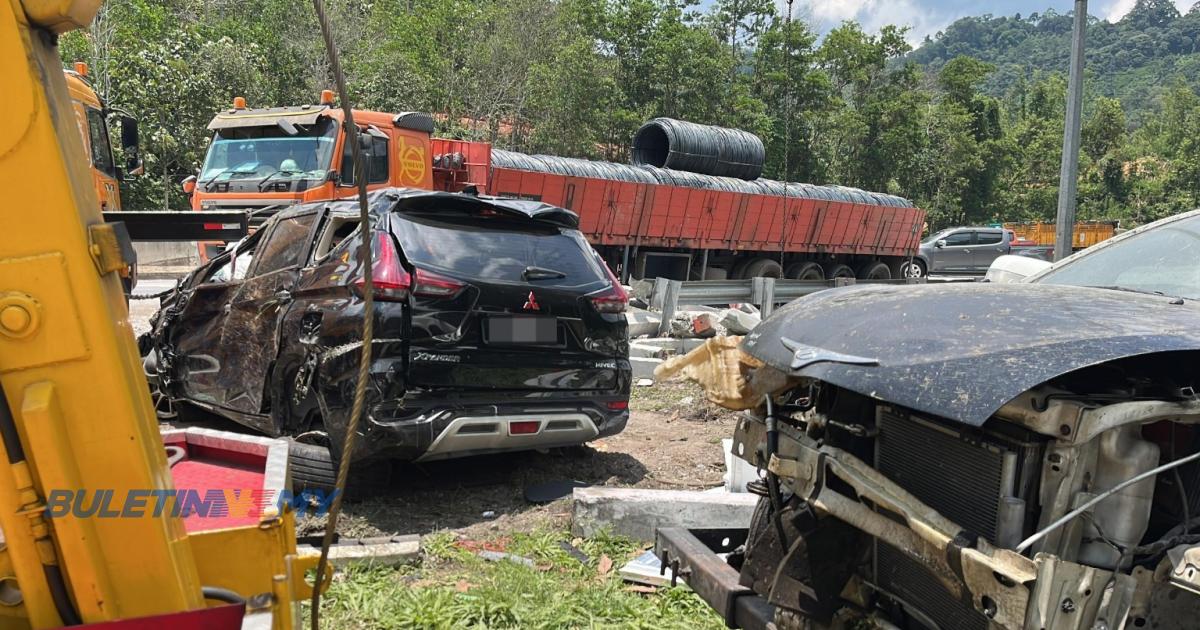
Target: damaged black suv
497 328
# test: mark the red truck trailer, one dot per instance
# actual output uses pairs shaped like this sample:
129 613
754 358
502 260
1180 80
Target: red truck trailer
677 214
654 222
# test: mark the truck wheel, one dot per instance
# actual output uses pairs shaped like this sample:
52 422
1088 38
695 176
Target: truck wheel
836 270
874 271
913 269
807 270
762 268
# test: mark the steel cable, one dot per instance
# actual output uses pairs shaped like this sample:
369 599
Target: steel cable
368 330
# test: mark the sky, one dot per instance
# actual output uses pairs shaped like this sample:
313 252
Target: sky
927 17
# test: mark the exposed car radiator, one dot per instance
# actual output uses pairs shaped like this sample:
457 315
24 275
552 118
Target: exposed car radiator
963 475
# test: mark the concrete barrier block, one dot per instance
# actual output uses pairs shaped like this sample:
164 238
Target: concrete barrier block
390 551
643 367
637 513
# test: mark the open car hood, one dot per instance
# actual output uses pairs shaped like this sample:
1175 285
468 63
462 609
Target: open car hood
961 351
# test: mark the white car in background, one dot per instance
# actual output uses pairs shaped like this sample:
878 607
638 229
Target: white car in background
1156 258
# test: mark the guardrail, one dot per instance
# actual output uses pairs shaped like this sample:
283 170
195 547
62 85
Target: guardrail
764 293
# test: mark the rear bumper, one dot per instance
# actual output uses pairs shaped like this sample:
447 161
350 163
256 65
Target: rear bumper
468 435
448 433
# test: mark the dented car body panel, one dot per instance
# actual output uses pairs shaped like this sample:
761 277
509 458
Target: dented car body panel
276 345
961 351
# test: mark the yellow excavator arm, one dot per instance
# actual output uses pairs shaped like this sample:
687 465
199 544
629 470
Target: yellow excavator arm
77 414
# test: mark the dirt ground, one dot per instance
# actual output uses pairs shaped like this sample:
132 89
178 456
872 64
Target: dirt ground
672 441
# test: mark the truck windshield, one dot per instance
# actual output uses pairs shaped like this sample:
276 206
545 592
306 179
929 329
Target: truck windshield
259 152
1164 259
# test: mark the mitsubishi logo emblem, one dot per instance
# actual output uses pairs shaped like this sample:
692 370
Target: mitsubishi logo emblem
531 303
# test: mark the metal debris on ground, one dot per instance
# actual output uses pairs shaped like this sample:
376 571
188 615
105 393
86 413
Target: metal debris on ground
574 552
647 569
500 556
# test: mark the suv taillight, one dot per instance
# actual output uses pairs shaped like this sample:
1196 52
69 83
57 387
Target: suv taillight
435 285
610 300
389 279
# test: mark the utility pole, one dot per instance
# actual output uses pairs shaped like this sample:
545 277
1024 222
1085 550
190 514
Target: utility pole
1068 181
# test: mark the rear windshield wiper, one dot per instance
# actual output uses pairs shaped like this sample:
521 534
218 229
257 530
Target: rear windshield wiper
541 273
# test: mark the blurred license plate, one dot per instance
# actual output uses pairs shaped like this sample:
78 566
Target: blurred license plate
536 330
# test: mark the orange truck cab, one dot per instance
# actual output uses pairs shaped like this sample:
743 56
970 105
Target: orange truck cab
91 116
261 160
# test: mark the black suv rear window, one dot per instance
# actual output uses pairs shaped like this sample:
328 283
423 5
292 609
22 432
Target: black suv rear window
499 248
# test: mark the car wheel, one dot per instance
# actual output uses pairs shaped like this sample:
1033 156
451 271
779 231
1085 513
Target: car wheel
311 466
912 269
837 270
874 271
164 405
807 270
762 268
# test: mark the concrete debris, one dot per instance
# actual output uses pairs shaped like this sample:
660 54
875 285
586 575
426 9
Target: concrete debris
647 351
636 513
642 322
671 345
643 368
739 322
697 324
387 551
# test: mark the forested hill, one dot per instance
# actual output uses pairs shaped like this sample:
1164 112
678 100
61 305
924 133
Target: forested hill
1132 60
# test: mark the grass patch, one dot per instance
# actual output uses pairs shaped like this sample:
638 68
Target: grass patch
455 588
677 398
667 397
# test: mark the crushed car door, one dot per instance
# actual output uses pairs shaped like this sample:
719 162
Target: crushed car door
194 334
250 336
